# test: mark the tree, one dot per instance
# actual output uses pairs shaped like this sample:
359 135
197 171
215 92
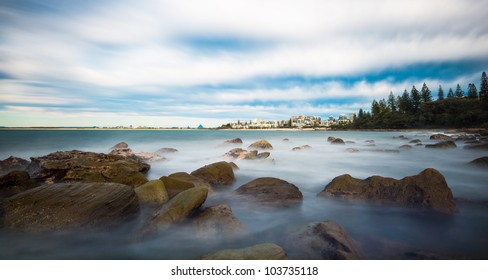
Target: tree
392 103
361 113
426 94
459 91
404 102
450 94
375 108
484 87
416 99
440 93
472 92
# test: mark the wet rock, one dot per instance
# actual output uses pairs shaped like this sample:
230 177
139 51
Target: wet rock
75 165
331 138
152 193
440 136
15 182
197 182
175 185
442 145
249 155
473 142
234 166
427 190
70 206
167 150
263 155
270 192
405 147
233 141
178 208
264 251
219 174
285 140
121 145
122 149
13 164
261 145
148 157
338 141
415 141
239 154
304 147
217 222
369 141
321 241
482 146
481 162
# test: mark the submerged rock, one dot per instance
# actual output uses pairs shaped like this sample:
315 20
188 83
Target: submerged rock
15 182
13 164
121 145
338 141
270 192
482 146
405 147
428 190
219 174
331 138
352 150
481 162
217 222
442 145
264 251
261 145
75 165
415 141
152 193
321 241
304 147
440 136
167 150
263 155
233 141
70 206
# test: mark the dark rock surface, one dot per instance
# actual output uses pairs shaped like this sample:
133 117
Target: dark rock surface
217 222
15 182
219 174
261 145
13 164
270 192
481 162
442 145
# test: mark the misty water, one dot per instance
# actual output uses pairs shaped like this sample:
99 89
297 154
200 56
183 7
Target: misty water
381 231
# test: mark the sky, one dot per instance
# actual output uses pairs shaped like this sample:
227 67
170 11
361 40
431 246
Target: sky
190 62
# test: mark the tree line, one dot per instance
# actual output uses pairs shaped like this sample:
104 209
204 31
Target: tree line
417 109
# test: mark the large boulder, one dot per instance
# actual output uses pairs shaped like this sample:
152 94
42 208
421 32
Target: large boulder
428 190
219 174
216 222
75 165
177 209
13 164
175 186
440 136
15 182
197 182
449 144
482 146
264 251
325 240
70 206
270 192
261 145
152 193
481 162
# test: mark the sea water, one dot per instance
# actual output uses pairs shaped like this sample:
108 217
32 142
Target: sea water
381 231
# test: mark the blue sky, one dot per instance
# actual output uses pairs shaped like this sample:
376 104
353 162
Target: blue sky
185 63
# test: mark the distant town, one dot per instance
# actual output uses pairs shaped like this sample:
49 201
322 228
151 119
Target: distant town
294 122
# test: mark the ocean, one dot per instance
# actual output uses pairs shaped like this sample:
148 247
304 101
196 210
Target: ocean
381 231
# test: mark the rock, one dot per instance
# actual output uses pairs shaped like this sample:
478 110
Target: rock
482 146
481 162
473 142
427 190
442 145
338 141
121 145
261 145
321 241
264 251
86 166
219 174
178 208
122 149
286 139
270 192
403 137
369 141
263 155
331 138
304 147
350 142
152 193
175 186
405 147
239 153
70 206
167 150
234 166
352 150
382 150
235 153
15 182
249 155
415 141
148 157
125 152
218 222
440 137
197 182
233 141
13 164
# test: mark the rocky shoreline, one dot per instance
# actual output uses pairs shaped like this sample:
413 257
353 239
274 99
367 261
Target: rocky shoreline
76 191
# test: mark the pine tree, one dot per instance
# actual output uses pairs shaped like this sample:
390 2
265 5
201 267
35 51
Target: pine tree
426 94
459 91
450 94
484 87
361 113
392 103
375 108
440 93
416 99
472 92
404 102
